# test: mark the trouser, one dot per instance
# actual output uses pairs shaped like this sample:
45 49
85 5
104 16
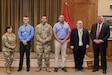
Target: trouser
60 47
43 50
78 57
8 56
100 48
23 49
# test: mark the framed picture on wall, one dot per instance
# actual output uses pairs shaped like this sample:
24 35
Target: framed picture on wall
108 20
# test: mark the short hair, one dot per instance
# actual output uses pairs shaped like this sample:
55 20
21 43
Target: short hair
79 21
100 16
61 15
25 16
44 16
8 27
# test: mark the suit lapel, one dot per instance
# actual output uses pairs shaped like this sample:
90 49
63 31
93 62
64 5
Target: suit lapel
100 30
95 29
77 33
102 27
83 34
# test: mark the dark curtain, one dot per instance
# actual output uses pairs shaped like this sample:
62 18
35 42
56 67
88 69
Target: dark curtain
12 12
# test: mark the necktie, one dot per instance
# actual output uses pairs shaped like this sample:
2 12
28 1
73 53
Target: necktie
98 31
25 31
62 25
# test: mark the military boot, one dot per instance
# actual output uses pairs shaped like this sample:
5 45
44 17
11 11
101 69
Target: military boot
38 69
48 69
8 70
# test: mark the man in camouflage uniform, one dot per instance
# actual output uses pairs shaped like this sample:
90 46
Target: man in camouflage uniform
9 44
43 34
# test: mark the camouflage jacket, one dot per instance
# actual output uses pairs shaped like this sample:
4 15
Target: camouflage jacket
43 32
8 40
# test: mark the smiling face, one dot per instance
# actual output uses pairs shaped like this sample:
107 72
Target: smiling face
79 24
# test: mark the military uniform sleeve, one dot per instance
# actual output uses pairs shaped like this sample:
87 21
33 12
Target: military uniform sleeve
37 34
5 41
50 34
15 39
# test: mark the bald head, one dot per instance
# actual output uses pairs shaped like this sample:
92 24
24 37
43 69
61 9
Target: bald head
79 24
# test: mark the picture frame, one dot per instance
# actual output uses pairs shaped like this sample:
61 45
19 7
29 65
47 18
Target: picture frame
108 20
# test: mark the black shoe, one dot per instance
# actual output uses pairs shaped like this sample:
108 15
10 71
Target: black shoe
82 70
55 69
104 72
19 70
28 70
64 69
94 70
76 70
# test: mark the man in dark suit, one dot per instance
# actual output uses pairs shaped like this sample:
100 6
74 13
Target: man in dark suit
79 41
100 32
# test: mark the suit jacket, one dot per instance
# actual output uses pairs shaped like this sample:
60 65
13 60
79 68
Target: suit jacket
104 33
74 38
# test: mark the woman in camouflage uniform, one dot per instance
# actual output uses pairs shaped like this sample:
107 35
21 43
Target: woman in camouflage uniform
9 44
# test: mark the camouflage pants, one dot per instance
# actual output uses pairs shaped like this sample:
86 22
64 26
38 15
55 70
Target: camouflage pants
43 50
8 56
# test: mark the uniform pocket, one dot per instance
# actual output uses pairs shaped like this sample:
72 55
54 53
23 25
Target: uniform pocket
7 54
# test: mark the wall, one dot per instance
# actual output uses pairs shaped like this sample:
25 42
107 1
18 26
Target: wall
12 12
104 7
86 10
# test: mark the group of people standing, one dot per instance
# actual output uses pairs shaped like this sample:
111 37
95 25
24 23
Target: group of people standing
79 42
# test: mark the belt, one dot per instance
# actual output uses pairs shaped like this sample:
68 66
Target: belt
61 39
80 46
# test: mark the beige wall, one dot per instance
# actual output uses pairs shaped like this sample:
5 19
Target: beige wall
104 7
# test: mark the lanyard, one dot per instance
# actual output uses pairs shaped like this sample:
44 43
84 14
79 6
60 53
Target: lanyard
43 27
62 26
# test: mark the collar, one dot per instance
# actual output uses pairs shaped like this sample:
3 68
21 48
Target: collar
25 24
100 23
62 22
80 28
44 23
